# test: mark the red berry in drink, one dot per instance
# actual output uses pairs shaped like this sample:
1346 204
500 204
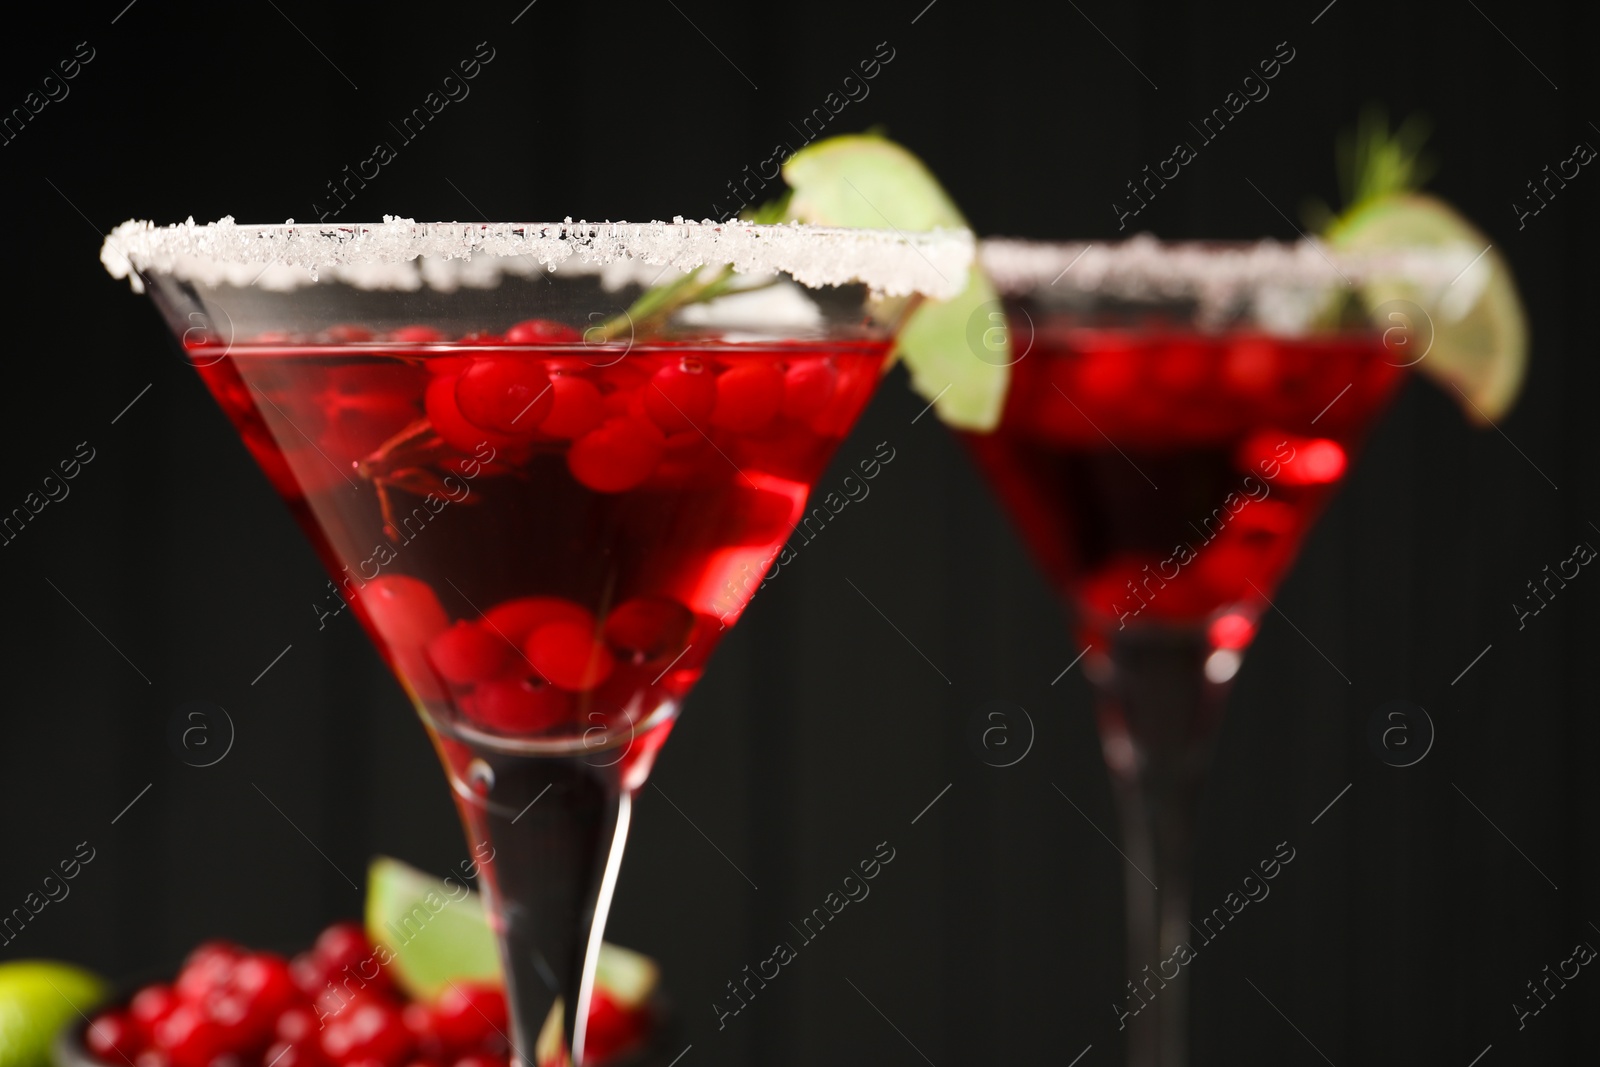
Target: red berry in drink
468 653
506 394
469 1014
807 387
541 332
418 335
748 397
346 333
649 627
439 400
189 1037
576 407
516 619
680 397
403 609
569 655
479 1059
114 1036
518 706
618 456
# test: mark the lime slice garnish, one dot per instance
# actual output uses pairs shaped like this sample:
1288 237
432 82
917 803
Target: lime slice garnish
437 932
1479 328
37 999
868 181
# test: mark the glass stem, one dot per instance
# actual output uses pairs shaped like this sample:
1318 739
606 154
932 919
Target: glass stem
1158 715
556 826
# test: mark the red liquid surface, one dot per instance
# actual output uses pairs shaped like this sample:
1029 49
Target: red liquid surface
1166 476
543 546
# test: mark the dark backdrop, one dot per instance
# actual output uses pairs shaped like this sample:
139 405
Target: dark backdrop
1417 907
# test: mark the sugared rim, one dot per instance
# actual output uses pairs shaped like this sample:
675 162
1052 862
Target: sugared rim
1144 267
402 254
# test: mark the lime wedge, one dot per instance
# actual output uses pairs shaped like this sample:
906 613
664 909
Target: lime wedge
435 931
1479 328
37 999
869 181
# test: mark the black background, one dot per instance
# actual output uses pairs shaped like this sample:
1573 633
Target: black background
1407 924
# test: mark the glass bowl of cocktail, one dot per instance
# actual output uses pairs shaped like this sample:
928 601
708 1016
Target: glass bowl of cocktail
541 463
1176 417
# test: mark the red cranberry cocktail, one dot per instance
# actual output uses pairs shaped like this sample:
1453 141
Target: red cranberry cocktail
541 464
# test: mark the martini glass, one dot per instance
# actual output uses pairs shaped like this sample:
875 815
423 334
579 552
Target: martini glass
1177 417
545 466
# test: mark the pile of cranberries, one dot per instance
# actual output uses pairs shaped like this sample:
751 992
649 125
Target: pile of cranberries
230 1007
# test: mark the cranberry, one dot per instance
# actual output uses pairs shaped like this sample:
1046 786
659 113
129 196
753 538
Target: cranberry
449 423
404 610
507 394
518 707
568 655
1231 631
417 335
367 1030
349 959
479 1059
618 456
298 1024
207 968
308 973
575 408
681 397
649 627
807 387
345 333
1317 461
114 1036
468 1014
260 987
748 397
189 1037
541 332
467 653
152 1057
612 1029
150 1005
516 619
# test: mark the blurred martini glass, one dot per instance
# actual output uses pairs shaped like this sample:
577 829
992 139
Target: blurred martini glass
1177 417
540 462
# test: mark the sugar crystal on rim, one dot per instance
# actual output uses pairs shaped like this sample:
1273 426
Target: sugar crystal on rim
406 255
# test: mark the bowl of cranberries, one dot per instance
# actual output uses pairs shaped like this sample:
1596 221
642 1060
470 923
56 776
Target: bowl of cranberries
333 1005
